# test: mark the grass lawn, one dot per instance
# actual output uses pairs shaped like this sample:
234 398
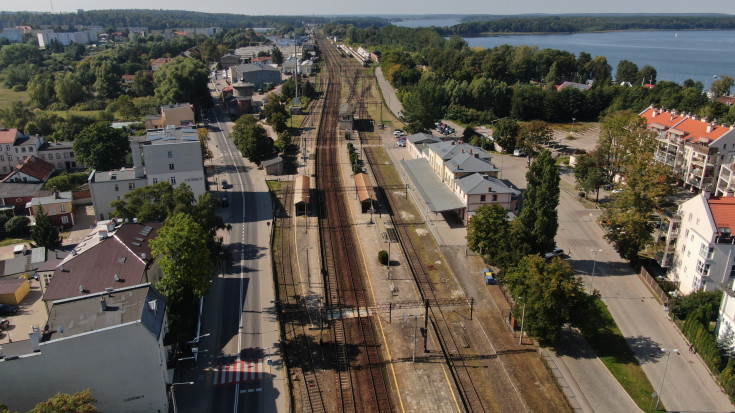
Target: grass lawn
14 241
610 346
7 97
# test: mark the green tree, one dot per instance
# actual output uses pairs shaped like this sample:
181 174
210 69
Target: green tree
80 402
252 140
151 203
68 89
203 134
539 219
277 55
627 72
489 232
101 147
41 90
278 121
143 85
647 74
646 181
552 293
590 177
182 80
274 106
107 84
505 133
44 233
533 135
721 86
181 251
422 106
17 226
283 141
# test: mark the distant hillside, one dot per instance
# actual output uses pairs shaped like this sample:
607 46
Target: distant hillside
588 23
162 19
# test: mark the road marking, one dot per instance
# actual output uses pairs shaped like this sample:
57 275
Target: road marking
251 390
239 372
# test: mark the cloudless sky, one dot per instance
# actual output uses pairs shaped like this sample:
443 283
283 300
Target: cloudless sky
379 7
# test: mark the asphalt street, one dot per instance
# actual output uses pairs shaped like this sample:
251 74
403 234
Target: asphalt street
239 366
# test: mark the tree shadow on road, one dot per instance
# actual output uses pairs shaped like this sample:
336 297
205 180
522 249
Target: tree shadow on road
645 349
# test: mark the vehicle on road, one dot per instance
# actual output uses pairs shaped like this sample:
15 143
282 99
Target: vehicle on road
519 153
7 309
224 202
398 132
225 184
489 277
556 252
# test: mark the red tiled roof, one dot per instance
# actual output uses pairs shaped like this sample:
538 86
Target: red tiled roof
35 167
663 118
726 100
96 267
701 131
9 135
723 211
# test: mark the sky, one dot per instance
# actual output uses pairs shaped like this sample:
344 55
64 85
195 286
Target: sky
382 7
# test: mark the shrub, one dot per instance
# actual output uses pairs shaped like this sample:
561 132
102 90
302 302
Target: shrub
383 257
18 226
681 307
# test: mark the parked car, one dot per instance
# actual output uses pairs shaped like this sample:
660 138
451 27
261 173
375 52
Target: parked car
518 152
556 252
7 309
489 277
225 184
224 202
4 324
401 142
398 132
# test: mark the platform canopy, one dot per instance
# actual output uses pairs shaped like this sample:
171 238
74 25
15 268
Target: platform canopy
435 193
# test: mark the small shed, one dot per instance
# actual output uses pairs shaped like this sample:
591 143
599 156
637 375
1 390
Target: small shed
346 116
302 194
13 290
273 166
365 192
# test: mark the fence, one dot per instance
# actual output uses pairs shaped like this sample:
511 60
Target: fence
654 286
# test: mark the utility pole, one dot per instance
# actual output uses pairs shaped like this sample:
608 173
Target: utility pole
523 319
415 324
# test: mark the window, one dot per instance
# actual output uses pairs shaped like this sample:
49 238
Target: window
58 156
7 148
16 150
64 219
102 217
23 149
696 283
495 197
482 198
155 180
25 157
690 217
116 188
686 234
171 167
71 154
30 149
131 186
170 154
173 180
732 271
62 208
65 155
10 157
2 157
702 268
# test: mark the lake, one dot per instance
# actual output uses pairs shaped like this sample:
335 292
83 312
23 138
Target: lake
677 56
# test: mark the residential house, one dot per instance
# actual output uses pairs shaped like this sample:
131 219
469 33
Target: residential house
574 85
694 149
110 341
229 60
255 73
699 251
33 170
157 63
180 114
16 147
61 154
58 207
14 196
113 255
172 154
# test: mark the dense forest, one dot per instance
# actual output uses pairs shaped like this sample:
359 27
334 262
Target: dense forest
572 24
438 77
162 19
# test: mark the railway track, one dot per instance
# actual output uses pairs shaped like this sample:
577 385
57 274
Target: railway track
361 383
297 317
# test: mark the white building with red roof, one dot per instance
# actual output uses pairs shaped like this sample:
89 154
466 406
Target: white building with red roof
700 249
694 148
31 170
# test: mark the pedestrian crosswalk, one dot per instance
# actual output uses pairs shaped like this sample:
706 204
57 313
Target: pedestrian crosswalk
239 372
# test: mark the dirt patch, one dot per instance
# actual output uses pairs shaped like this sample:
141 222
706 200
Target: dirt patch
422 232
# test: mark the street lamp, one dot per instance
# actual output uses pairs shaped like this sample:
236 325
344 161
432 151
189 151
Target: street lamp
173 394
195 350
523 319
661 389
594 264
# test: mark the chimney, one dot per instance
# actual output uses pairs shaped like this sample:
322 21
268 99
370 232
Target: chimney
489 188
35 336
110 226
137 158
462 150
654 113
710 128
103 234
730 192
477 155
103 303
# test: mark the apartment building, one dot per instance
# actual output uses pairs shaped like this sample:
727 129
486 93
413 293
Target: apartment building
694 148
177 115
172 154
16 147
700 250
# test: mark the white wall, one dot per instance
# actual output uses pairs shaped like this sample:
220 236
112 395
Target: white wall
187 160
104 193
122 365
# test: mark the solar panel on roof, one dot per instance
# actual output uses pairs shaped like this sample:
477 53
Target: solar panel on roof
137 244
139 239
145 231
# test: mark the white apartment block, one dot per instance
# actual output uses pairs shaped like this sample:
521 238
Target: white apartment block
694 148
726 318
110 342
700 251
172 154
12 34
66 38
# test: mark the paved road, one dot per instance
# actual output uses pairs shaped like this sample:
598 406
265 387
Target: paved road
239 366
642 320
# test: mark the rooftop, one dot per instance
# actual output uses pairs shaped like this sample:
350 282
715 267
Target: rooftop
449 149
437 196
168 135
417 138
482 184
123 174
9 135
34 167
119 260
469 162
723 211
